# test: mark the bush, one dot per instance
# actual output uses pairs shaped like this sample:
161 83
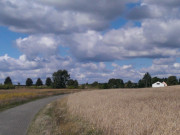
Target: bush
7 86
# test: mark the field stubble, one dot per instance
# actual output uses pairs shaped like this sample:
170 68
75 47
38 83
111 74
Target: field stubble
130 111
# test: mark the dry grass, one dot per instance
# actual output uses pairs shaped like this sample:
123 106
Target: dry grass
10 98
55 119
130 111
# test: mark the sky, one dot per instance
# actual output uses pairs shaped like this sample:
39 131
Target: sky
94 40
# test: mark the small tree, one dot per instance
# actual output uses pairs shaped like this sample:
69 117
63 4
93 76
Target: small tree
60 79
72 83
129 84
172 80
8 81
155 79
48 81
116 83
95 84
29 82
39 82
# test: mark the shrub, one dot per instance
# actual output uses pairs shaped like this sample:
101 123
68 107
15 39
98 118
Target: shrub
7 86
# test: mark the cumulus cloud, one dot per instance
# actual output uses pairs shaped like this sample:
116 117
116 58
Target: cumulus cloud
83 27
154 39
29 16
38 45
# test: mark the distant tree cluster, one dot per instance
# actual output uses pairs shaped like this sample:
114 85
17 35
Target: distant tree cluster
61 79
145 82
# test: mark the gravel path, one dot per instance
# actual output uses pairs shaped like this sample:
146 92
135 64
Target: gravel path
15 121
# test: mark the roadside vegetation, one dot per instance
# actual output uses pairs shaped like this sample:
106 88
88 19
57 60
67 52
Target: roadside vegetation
11 98
55 119
123 112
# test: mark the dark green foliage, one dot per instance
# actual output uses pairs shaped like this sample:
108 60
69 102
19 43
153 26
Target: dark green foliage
7 86
48 81
134 85
164 80
39 82
172 80
179 80
141 84
156 79
73 84
116 83
104 86
29 82
129 84
8 81
147 80
60 79
95 84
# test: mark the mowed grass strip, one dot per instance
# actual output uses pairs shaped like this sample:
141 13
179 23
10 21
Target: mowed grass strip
54 119
11 98
151 111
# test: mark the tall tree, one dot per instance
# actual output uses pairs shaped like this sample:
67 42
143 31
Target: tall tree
8 81
60 79
147 80
39 82
172 80
48 81
29 82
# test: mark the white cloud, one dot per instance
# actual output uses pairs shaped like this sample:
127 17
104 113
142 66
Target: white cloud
38 45
155 39
47 16
83 27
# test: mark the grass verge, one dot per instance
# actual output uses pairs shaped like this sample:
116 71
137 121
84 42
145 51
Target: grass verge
55 119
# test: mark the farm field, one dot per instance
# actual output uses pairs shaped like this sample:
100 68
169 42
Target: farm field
10 98
149 111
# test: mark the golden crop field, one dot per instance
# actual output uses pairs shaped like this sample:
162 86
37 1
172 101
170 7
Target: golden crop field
10 98
150 111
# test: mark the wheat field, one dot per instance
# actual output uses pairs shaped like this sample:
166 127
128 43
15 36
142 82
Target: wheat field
150 111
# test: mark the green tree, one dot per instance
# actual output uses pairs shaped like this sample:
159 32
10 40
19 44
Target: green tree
141 83
48 81
72 83
39 82
60 79
116 83
129 84
29 82
147 80
95 84
155 79
172 80
8 81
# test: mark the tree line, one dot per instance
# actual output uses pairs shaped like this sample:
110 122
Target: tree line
61 79
145 82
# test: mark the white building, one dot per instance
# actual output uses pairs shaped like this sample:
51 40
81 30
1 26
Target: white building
159 84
